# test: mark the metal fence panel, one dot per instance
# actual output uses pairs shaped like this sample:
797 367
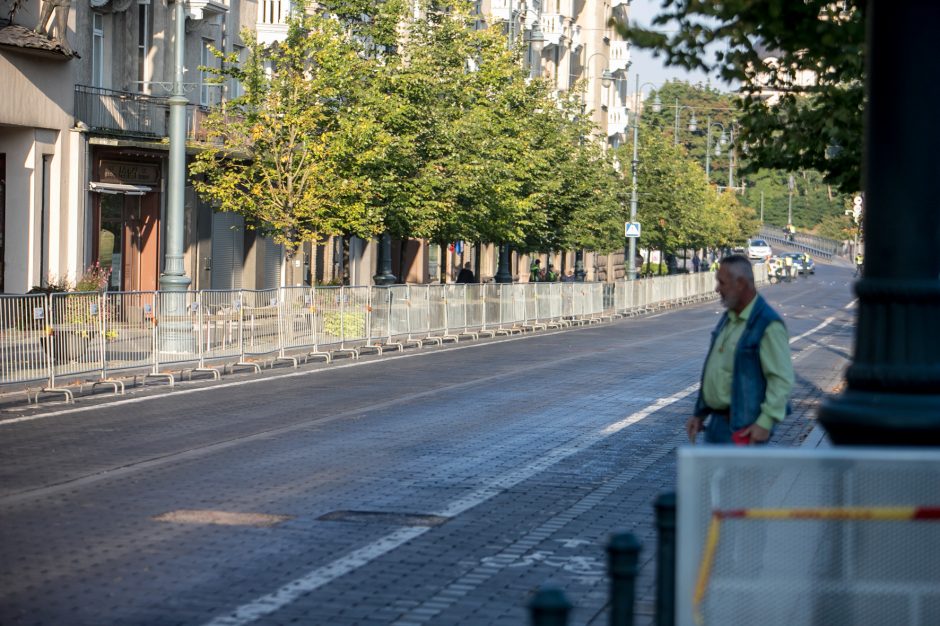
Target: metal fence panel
299 318
380 302
130 326
476 307
24 338
400 311
356 329
437 308
330 319
418 312
177 332
492 306
220 324
260 316
76 340
457 307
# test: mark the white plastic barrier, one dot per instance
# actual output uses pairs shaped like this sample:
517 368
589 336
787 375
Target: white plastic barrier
784 536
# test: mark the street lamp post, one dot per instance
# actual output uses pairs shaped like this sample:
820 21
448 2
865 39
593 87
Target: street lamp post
174 276
634 164
721 142
692 122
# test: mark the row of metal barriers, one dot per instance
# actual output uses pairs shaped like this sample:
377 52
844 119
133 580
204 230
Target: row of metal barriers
47 340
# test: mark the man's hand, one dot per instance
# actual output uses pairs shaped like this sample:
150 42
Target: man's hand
756 434
693 426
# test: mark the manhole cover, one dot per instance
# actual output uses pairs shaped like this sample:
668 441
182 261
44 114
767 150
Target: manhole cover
384 517
223 518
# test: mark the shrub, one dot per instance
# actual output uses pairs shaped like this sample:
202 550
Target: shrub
95 278
353 323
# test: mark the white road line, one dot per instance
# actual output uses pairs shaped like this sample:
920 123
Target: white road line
269 603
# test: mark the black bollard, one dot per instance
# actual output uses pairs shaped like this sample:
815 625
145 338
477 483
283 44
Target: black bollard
666 559
623 556
549 607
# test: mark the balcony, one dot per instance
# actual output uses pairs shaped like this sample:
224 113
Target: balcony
619 55
272 21
499 10
133 114
553 27
617 121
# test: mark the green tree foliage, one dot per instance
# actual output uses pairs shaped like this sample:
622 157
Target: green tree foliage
672 195
820 38
293 155
813 199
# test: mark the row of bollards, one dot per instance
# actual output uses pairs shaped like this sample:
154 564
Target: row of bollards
550 607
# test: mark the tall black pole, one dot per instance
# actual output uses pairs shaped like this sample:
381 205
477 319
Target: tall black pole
383 271
893 391
503 275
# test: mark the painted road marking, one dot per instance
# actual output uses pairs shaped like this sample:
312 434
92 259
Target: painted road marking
287 594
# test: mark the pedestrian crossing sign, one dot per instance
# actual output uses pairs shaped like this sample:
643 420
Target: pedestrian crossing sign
631 229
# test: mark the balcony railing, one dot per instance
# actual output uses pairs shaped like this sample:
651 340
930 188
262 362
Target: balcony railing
133 114
619 55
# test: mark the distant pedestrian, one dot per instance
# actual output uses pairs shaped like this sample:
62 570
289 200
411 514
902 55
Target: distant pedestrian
569 277
748 374
696 262
535 271
466 274
550 274
859 262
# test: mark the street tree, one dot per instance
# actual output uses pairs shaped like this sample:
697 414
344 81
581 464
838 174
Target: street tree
673 195
294 154
809 53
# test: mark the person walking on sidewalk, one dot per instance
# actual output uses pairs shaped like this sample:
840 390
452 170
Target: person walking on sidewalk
747 376
466 274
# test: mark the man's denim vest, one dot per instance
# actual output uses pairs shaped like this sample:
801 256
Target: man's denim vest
748 385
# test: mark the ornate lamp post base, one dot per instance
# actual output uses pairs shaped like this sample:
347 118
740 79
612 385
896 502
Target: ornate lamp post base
383 274
503 274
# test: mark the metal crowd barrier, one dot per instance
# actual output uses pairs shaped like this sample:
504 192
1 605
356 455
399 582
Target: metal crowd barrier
46 339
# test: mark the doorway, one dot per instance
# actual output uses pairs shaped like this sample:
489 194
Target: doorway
128 240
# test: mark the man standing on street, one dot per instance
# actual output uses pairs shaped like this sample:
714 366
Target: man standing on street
747 376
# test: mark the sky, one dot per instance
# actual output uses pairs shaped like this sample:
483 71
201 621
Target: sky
651 69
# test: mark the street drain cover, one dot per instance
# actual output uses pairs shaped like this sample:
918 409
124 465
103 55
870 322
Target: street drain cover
384 517
223 518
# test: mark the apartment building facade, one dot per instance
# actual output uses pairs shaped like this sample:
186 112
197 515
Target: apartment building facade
84 139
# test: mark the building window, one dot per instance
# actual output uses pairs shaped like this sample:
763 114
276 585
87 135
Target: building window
237 89
205 60
144 43
97 50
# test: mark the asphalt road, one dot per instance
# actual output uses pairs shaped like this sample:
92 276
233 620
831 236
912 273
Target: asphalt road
439 486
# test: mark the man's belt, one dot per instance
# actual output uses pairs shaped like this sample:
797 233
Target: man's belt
725 413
